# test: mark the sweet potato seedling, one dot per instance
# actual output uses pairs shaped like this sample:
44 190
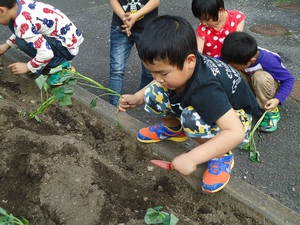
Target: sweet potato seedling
9 219
251 146
156 216
63 93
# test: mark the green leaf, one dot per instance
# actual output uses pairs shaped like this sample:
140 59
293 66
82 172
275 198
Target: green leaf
66 76
173 219
167 220
153 217
66 100
46 86
55 70
158 208
58 92
72 81
93 103
61 92
2 211
41 81
255 156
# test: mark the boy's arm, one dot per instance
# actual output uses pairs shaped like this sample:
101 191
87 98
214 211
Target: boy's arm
3 48
117 8
232 134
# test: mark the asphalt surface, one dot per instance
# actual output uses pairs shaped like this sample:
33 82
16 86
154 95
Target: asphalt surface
277 174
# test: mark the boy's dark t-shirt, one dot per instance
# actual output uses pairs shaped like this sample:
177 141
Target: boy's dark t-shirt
213 90
132 7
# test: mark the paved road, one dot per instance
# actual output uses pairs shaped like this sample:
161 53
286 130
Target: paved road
278 172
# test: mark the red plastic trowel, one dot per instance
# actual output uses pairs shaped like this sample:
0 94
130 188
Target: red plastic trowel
161 164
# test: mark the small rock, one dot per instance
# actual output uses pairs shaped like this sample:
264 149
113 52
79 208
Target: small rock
150 168
47 176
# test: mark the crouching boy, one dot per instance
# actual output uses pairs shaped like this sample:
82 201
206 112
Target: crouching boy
194 96
264 72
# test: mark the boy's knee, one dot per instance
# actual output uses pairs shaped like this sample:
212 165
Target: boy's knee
157 100
195 127
262 77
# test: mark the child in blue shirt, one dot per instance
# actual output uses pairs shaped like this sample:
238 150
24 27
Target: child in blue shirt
128 22
263 70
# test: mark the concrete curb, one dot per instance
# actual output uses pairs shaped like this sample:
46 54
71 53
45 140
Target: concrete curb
240 191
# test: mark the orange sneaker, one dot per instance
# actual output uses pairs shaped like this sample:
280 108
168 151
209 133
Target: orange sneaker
217 173
159 132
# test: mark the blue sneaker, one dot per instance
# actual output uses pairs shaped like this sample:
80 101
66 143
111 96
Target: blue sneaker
217 173
159 132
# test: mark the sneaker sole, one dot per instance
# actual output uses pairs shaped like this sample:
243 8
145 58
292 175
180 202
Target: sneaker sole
271 129
176 139
268 130
220 188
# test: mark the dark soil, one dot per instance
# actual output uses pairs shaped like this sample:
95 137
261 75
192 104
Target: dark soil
76 169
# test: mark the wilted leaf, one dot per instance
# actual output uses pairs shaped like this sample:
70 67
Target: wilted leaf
41 81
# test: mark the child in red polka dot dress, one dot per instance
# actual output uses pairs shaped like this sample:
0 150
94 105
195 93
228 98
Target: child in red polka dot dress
215 24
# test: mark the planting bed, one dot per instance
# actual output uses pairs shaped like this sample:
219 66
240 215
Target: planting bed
75 168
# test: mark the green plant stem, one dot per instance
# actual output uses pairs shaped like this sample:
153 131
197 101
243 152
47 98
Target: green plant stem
42 107
95 83
14 220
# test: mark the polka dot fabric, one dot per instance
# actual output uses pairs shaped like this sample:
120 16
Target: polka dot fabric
213 39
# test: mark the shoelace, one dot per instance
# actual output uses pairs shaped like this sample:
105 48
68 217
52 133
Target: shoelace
157 125
215 167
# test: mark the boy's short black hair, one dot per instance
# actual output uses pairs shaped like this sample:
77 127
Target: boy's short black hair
206 9
8 3
239 48
167 38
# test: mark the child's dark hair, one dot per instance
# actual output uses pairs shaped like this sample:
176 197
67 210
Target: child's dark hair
206 9
239 48
8 3
167 38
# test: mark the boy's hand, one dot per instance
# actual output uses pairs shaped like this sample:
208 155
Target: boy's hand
18 68
184 164
271 104
129 20
127 24
127 102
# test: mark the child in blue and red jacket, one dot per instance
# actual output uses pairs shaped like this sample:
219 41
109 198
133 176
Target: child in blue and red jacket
270 81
